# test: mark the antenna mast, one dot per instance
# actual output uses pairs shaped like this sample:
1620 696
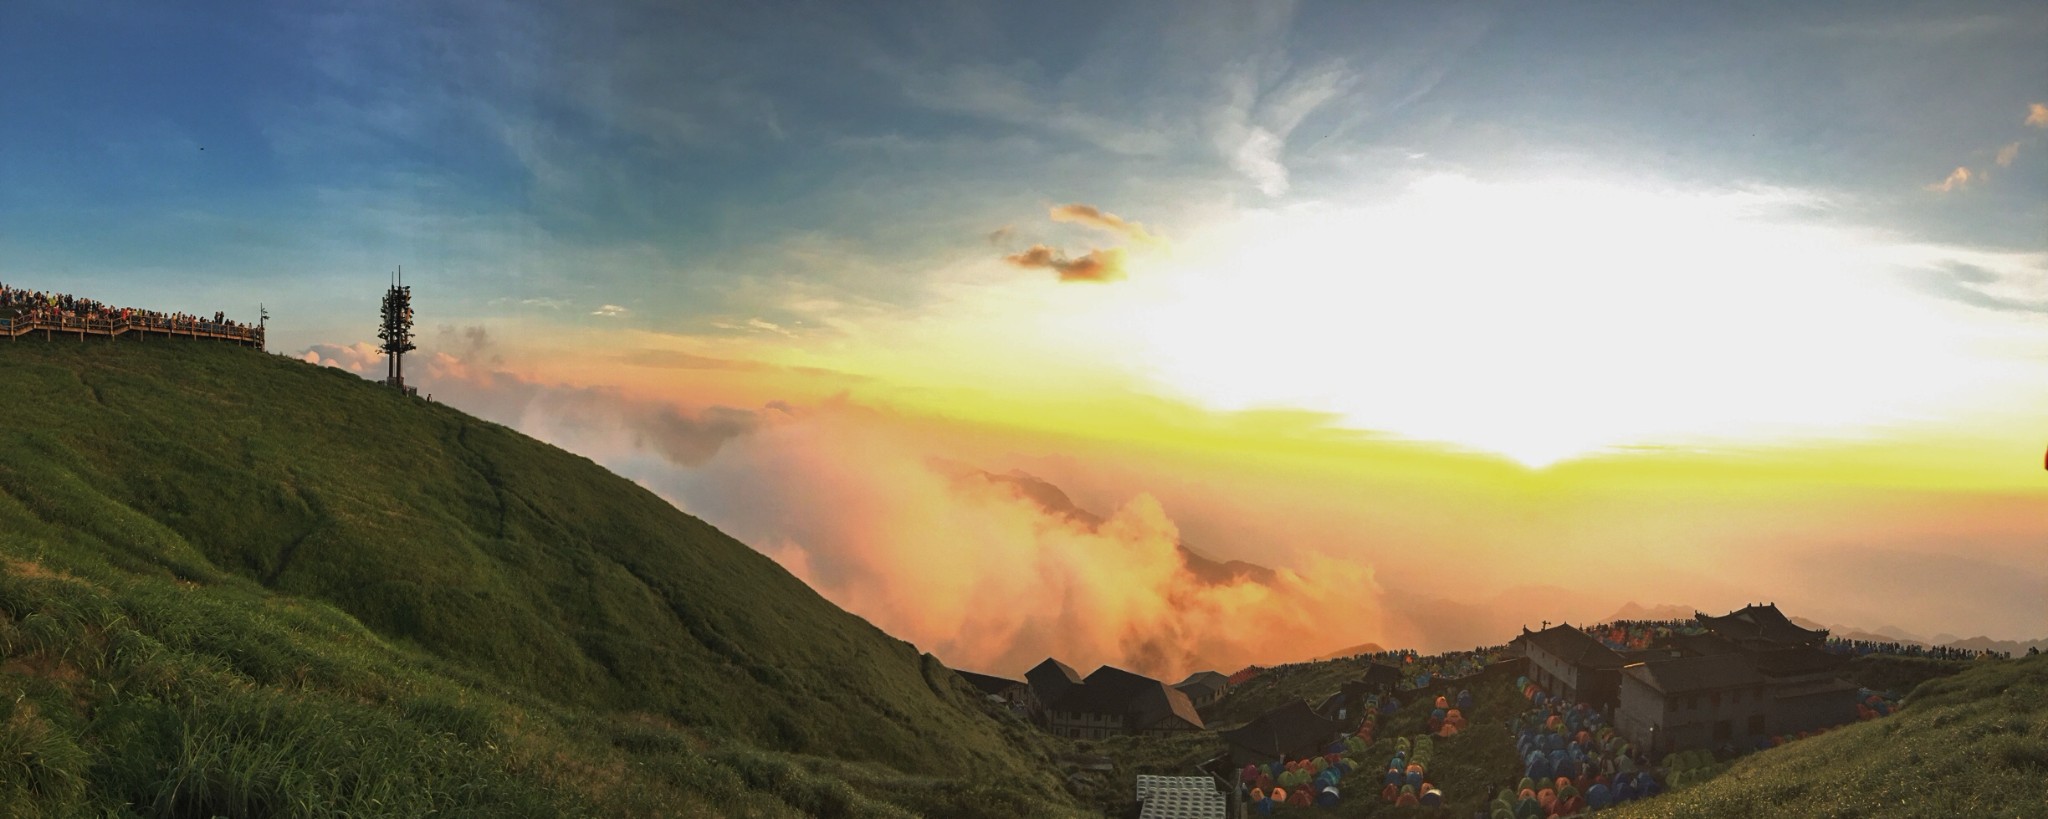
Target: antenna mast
396 332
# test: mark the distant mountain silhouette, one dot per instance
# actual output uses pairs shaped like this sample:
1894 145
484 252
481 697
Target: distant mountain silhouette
1632 610
1361 648
2013 647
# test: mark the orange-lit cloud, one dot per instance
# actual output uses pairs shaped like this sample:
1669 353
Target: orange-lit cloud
2007 154
2037 115
990 580
361 357
1094 217
1957 179
1101 265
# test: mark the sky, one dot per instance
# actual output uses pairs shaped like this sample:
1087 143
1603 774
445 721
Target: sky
1463 316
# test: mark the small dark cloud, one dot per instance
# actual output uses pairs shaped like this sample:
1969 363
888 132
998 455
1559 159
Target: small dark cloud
1093 266
1002 235
690 439
471 343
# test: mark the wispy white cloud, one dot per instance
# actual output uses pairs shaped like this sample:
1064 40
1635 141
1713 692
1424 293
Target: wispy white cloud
609 311
1007 95
1252 125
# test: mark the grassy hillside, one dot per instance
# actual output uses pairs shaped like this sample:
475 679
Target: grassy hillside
1972 744
237 583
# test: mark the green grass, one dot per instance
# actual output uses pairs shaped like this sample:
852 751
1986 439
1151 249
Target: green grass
1880 672
237 584
1972 744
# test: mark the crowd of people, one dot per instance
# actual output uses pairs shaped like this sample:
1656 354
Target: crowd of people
19 305
1858 648
1417 669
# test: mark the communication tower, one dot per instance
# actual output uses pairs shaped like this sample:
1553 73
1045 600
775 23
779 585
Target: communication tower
397 331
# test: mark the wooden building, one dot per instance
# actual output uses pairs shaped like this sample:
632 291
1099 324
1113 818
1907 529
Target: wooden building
1762 626
1049 681
1109 702
1204 687
1573 664
1755 675
1292 731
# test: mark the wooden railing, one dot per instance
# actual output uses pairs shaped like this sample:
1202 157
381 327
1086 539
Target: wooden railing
14 327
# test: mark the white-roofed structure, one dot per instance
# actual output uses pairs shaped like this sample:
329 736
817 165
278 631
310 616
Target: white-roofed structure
1180 797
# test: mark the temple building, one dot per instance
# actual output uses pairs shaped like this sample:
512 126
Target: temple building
1573 664
1753 676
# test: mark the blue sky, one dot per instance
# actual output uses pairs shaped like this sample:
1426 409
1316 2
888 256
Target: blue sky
684 159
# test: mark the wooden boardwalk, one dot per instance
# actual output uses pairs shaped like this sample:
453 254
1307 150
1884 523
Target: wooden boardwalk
15 327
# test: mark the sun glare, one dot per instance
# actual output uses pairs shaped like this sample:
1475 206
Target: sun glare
1547 321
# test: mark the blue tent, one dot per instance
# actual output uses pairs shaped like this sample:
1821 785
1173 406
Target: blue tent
1598 797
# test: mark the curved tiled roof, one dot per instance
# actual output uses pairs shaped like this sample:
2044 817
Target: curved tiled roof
1573 646
1759 622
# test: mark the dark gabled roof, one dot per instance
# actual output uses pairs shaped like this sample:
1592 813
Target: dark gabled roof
1171 705
1051 680
1143 702
1203 678
1759 622
1796 660
994 686
1687 675
1203 684
1291 731
1572 646
1381 674
1703 645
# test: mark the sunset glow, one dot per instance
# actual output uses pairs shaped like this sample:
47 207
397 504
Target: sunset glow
1430 310
1555 319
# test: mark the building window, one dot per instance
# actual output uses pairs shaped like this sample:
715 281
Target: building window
1714 699
1756 725
1722 731
1738 696
1692 703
